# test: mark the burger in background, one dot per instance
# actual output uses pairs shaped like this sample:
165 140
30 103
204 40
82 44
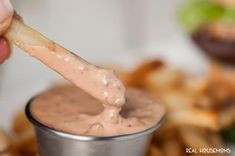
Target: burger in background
211 24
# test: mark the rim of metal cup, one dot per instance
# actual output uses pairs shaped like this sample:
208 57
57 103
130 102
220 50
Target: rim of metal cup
76 137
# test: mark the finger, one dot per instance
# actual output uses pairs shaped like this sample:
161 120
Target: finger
4 49
6 13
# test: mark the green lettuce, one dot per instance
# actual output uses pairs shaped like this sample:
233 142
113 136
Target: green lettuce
196 12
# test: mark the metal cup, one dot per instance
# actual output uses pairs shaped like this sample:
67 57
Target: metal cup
57 143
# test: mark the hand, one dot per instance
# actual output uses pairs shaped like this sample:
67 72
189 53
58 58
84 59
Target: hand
6 14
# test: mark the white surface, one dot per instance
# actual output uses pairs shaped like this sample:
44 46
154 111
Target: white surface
117 32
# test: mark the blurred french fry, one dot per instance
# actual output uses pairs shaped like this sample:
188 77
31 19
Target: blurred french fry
172 147
123 75
164 132
26 144
196 85
177 100
222 83
204 102
216 140
227 115
223 75
155 151
194 117
137 77
20 123
164 78
5 142
25 141
193 137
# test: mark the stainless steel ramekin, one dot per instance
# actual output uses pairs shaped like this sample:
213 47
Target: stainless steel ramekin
57 143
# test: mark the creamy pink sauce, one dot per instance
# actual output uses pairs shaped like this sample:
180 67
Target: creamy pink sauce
6 13
69 109
101 83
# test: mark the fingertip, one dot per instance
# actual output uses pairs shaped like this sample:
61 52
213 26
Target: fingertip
4 49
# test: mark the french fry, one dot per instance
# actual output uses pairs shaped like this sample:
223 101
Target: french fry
155 151
222 83
177 100
20 123
227 116
204 102
194 137
26 144
164 78
21 34
5 142
137 77
164 133
200 138
196 85
215 140
223 75
123 75
172 146
194 117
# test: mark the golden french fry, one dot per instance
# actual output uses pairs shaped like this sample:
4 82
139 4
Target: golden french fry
164 78
194 117
227 116
222 82
172 147
200 138
215 140
137 77
155 151
223 75
5 142
26 144
194 137
196 85
123 75
20 123
177 100
165 131
204 102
